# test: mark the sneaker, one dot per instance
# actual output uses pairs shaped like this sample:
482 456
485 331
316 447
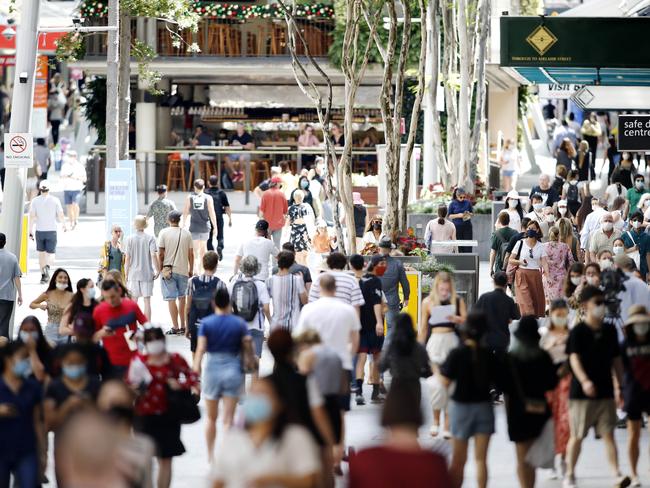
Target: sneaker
359 399
446 434
43 279
46 271
623 482
172 331
377 397
569 482
636 482
434 430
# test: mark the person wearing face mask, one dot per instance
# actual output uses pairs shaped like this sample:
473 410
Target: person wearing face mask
635 352
559 259
300 219
571 192
545 190
592 274
374 231
636 291
55 300
529 258
553 341
30 332
635 193
594 357
460 214
21 426
270 451
303 186
561 211
442 311
514 209
72 391
603 238
590 224
499 242
605 259
637 243
153 414
538 214
82 305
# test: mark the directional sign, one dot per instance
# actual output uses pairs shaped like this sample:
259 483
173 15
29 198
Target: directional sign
633 133
603 97
19 150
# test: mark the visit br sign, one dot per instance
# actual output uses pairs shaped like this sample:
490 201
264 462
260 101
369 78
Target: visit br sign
19 150
633 133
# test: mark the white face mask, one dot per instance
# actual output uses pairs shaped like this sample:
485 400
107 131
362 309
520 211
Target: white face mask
639 185
512 203
538 206
605 264
559 321
598 312
61 286
607 226
641 329
155 347
576 280
592 280
636 224
550 218
618 250
562 211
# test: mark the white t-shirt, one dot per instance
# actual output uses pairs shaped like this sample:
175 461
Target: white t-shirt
611 193
262 248
515 219
532 257
262 296
510 157
73 176
334 321
239 461
46 209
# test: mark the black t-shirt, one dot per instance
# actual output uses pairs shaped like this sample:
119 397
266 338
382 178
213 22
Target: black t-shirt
264 185
499 309
297 269
59 392
513 241
244 139
475 371
636 360
371 289
596 350
551 195
220 200
359 220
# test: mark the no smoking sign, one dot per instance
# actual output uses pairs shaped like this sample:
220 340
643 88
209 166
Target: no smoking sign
19 150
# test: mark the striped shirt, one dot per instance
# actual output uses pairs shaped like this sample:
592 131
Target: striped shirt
347 288
285 291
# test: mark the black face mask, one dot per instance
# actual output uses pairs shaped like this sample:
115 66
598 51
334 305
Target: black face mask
532 233
121 413
376 226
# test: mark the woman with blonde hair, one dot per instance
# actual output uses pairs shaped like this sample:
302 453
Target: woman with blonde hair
558 261
569 237
117 277
584 162
442 311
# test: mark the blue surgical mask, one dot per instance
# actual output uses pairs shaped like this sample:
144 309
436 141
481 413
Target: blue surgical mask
74 371
257 408
26 335
23 368
91 293
304 184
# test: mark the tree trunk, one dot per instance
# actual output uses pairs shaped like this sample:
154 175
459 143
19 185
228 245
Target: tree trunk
124 84
112 82
483 26
444 171
464 97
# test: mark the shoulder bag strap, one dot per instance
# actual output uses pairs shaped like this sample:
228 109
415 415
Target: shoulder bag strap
180 233
629 234
521 245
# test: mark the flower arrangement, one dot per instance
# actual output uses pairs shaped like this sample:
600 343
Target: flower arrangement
409 244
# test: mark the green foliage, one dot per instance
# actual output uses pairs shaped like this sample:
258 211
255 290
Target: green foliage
94 106
530 7
144 54
70 47
431 265
180 12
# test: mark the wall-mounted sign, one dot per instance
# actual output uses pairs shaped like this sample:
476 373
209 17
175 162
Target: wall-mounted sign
633 133
557 91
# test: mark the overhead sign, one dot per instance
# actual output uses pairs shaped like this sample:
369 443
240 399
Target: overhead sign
19 150
558 91
46 41
604 97
633 133
588 42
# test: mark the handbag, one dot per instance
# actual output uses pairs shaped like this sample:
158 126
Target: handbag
542 451
511 269
182 405
166 271
534 406
635 255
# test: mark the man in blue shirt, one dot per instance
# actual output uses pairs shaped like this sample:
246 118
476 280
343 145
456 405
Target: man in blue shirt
391 278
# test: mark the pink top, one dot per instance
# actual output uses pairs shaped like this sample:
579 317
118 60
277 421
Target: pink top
436 232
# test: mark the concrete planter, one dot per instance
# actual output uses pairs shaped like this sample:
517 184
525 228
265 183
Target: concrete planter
481 228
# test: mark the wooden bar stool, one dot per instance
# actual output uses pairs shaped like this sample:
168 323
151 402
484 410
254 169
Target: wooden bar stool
262 172
278 39
176 172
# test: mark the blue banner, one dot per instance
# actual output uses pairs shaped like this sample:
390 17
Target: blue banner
130 165
119 201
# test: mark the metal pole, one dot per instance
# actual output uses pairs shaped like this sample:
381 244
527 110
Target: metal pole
247 180
97 168
112 82
11 223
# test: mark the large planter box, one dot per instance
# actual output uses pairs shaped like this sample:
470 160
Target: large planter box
481 228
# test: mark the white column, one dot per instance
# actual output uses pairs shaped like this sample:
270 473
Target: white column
145 141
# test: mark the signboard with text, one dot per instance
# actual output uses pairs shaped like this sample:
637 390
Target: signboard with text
129 164
39 114
558 91
586 42
633 133
119 185
19 150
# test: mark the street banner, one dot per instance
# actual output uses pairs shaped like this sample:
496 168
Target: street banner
633 133
118 188
39 113
19 150
130 165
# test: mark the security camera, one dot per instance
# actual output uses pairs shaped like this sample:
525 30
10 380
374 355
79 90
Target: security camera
23 77
77 21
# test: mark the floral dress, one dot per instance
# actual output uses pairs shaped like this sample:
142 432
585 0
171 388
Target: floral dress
559 259
299 235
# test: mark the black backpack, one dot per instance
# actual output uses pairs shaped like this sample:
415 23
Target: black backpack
203 293
499 264
572 194
245 300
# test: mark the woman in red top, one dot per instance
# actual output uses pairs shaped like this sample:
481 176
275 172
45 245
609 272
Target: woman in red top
155 372
400 461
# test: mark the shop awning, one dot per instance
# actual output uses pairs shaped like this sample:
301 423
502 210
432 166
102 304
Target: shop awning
285 96
586 76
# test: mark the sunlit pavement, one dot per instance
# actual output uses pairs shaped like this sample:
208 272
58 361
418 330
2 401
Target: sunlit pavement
79 254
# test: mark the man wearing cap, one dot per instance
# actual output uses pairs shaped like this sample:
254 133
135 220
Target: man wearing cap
260 246
221 206
159 210
73 177
273 209
44 213
393 276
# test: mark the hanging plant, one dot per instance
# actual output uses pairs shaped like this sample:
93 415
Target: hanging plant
70 47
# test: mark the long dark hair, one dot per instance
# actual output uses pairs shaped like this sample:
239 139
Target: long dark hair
403 336
52 285
442 214
518 208
569 287
78 298
43 348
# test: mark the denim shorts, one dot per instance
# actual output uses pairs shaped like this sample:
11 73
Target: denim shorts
469 419
222 376
508 172
46 241
51 333
70 197
175 287
257 337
